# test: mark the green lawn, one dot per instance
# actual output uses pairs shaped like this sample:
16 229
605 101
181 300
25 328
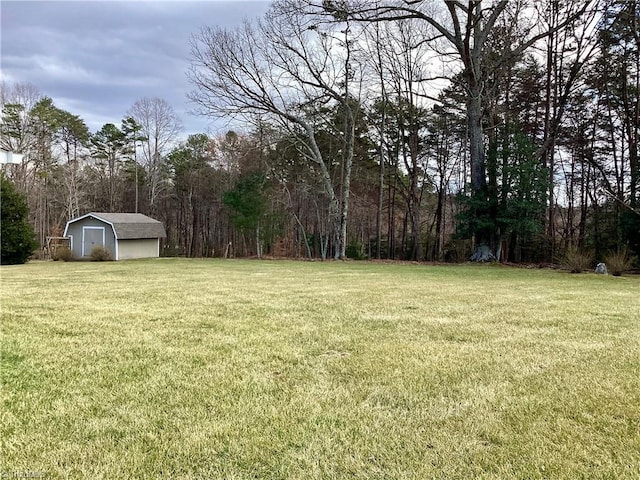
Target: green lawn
199 369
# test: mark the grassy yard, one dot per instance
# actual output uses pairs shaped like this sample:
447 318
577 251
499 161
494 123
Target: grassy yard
199 369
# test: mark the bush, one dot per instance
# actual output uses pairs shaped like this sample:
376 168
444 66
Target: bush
355 251
63 254
576 260
619 262
457 251
18 238
100 254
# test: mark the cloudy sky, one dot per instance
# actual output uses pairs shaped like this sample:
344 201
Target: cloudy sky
96 58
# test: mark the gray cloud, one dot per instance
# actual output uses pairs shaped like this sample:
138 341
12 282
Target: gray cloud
96 58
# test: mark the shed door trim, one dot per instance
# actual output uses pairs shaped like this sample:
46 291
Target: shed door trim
84 229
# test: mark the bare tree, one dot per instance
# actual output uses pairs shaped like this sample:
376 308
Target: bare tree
287 68
567 50
160 126
73 138
16 101
464 29
16 135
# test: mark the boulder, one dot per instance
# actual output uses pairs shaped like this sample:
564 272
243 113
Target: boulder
601 268
482 254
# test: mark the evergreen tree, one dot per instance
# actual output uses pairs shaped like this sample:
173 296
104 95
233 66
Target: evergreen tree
17 235
516 195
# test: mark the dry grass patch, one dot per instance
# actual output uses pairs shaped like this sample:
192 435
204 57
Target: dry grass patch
189 369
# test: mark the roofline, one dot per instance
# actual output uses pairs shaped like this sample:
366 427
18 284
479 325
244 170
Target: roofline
93 215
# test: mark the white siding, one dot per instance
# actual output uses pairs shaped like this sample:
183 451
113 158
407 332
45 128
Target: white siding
142 248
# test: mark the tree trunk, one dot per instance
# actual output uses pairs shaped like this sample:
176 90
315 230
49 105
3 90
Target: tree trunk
346 182
476 140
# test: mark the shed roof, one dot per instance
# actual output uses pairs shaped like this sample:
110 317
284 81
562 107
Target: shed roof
129 226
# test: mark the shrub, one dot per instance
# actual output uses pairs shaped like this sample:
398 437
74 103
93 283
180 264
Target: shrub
355 251
457 251
619 262
576 260
18 238
63 254
100 254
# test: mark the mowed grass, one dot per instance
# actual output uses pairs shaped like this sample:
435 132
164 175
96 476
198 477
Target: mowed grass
198 369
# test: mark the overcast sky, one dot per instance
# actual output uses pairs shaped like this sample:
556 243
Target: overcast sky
96 58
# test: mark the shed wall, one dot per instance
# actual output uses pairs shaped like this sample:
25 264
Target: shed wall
139 248
75 231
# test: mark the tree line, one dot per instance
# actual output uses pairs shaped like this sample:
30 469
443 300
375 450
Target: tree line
408 130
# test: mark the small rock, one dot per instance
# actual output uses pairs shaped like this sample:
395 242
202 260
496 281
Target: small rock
601 268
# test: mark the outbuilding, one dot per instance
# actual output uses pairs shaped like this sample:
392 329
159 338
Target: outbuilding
124 235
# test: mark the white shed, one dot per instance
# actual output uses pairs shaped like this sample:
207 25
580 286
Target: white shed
125 235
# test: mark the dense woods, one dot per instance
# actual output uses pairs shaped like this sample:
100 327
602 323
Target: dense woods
374 129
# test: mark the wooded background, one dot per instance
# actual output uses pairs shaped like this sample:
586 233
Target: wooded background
405 130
